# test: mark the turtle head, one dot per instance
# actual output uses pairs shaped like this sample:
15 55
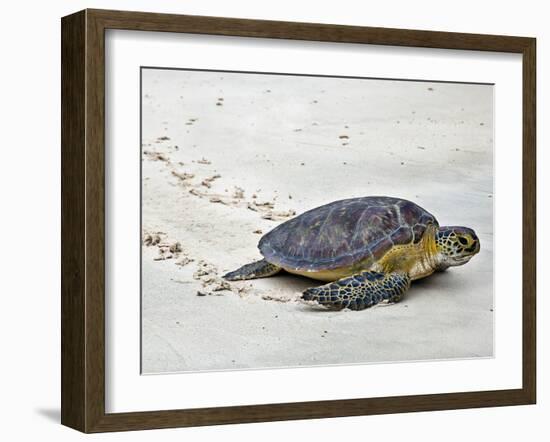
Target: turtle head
455 246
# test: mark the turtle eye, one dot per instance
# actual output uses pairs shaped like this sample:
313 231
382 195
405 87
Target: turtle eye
462 240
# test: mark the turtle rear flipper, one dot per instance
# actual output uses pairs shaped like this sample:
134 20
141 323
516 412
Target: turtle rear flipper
254 270
360 291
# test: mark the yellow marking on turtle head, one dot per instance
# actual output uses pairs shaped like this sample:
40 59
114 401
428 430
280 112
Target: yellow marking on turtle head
418 260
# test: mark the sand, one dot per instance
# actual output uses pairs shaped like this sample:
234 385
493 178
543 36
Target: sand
227 157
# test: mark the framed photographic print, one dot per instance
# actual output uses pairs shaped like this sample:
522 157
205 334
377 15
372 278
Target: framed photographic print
270 220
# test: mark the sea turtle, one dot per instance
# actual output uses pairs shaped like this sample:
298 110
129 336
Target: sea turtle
369 249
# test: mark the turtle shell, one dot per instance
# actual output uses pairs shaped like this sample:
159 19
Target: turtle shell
345 232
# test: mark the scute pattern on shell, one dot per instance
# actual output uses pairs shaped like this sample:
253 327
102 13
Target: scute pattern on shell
345 232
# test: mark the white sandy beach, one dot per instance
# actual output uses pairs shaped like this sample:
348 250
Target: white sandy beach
229 155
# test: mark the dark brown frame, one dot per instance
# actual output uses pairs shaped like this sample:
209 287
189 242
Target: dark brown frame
83 215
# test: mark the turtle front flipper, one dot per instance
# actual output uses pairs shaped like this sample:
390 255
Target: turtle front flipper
360 291
254 270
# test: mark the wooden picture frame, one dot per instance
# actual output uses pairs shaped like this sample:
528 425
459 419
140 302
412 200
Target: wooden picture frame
83 220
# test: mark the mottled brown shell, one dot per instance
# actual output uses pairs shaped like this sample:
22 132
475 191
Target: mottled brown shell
345 232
